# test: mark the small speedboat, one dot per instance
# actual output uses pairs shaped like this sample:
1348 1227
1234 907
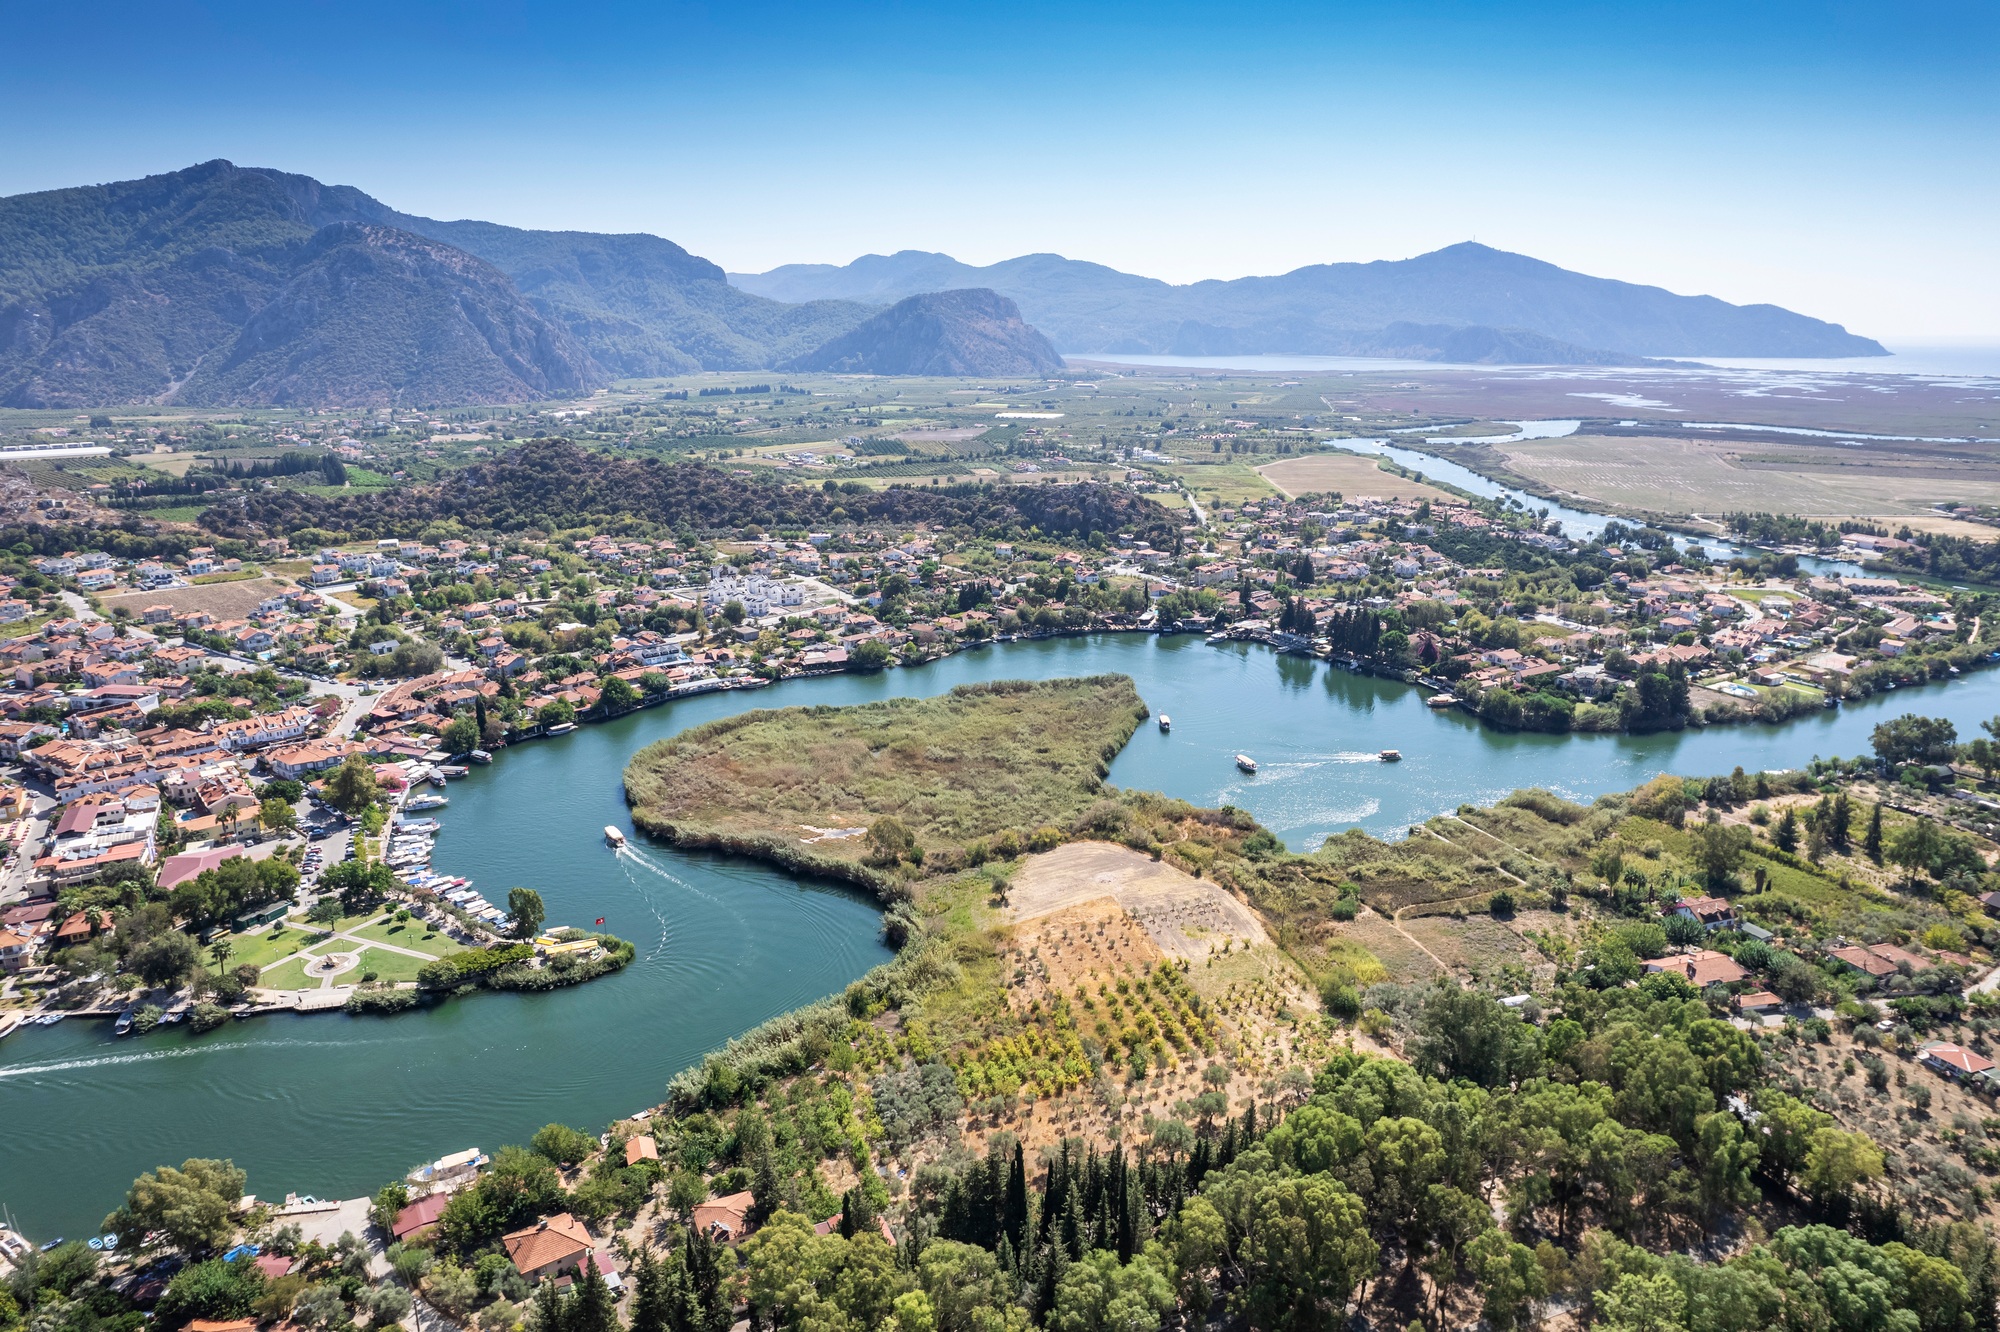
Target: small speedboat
123 1026
614 836
1391 756
1166 722
1246 763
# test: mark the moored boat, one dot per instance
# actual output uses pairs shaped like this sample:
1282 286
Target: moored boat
1245 762
480 756
562 728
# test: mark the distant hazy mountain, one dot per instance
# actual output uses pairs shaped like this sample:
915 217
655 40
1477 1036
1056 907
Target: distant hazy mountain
1330 309
235 284
970 332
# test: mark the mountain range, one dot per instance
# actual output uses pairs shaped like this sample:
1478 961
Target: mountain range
228 284
221 284
1340 309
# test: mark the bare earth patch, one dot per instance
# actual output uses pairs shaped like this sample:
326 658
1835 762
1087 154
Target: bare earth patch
225 601
1184 916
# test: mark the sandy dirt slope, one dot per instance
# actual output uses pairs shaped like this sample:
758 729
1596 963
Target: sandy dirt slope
1186 917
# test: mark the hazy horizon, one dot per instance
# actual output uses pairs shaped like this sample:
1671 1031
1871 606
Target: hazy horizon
1834 159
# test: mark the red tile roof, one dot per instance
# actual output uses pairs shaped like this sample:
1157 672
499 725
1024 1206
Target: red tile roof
1955 1057
423 1212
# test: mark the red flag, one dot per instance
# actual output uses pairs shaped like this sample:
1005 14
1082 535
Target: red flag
600 920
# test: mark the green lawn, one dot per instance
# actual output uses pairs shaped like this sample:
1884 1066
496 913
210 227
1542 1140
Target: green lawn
386 965
346 923
415 935
260 950
22 628
290 976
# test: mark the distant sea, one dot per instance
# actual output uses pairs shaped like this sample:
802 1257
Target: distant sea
1968 359
1932 360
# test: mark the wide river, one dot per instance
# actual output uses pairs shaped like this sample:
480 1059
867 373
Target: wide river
336 1106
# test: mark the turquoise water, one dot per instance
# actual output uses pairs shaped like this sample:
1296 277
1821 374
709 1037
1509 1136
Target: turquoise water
335 1106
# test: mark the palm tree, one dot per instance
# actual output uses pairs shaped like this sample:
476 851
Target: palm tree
220 951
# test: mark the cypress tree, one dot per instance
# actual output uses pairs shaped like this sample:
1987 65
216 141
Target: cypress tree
1014 1219
952 1219
1199 1163
704 1280
1132 1226
767 1188
591 1308
547 1313
1074 1223
649 1295
1054 1263
1054 1187
1872 843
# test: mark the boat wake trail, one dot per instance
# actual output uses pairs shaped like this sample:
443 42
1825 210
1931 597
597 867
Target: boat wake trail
630 856
149 1056
647 898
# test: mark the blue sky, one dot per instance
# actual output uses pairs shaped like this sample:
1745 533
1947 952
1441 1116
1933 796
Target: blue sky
1839 159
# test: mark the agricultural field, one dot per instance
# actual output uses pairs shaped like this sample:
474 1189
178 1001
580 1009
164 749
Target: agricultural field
1348 474
1662 474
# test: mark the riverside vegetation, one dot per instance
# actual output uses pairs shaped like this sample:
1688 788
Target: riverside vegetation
1613 1151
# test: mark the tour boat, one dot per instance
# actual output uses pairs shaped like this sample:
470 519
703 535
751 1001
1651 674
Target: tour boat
1166 722
562 728
1441 700
1245 762
1391 756
480 756
426 802
613 836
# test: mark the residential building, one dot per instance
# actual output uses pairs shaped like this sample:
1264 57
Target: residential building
551 1247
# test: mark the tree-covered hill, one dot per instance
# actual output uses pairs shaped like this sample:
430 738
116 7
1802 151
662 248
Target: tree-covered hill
970 332
546 485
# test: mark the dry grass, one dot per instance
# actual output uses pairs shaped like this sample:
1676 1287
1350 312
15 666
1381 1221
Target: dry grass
1716 476
225 601
1185 917
1927 1150
1350 474
978 761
